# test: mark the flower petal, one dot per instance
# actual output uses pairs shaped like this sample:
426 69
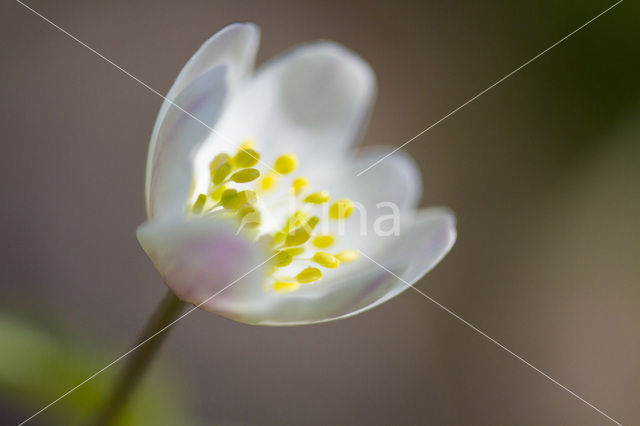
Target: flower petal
395 180
365 285
201 258
198 90
179 136
424 245
234 46
313 100
384 196
204 261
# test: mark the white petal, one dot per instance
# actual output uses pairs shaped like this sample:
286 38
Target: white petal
409 256
313 100
413 256
232 49
234 46
396 179
394 185
204 258
180 134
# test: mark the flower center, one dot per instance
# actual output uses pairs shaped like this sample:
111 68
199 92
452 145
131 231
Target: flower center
234 190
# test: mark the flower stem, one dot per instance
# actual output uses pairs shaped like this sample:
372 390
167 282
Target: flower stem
138 362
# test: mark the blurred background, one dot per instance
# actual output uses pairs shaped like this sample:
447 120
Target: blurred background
543 172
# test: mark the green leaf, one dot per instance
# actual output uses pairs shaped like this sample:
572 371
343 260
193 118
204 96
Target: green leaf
37 367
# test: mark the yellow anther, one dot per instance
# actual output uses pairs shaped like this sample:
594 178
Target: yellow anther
285 286
286 163
301 234
291 240
347 255
268 181
245 158
299 184
228 198
247 144
199 204
325 259
282 259
295 220
323 241
278 238
309 275
217 193
217 160
247 196
294 251
341 209
317 197
220 172
245 175
232 199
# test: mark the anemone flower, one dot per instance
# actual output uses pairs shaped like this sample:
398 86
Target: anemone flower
256 171
256 209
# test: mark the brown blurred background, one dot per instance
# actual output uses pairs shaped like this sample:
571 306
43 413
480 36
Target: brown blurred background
543 172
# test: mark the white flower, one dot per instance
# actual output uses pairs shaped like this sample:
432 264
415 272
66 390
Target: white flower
211 220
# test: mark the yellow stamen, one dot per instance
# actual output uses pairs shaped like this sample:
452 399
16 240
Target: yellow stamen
294 251
242 198
285 286
199 204
347 255
232 199
325 259
220 172
245 158
278 238
218 159
228 198
217 193
282 259
245 175
309 275
295 220
341 209
286 163
323 241
301 234
268 181
317 197
289 244
247 144
299 184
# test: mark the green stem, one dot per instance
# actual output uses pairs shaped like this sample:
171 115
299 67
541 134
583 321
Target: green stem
138 362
